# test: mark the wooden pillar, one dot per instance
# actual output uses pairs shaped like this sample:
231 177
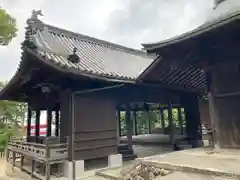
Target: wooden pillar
171 124
118 126
161 114
21 161
149 121
147 116
212 106
37 123
49 121
180 120
29 118
57 122
119 123
129 126
135 122
214 120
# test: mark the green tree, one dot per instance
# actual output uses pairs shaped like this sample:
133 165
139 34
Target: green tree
12 115
8 28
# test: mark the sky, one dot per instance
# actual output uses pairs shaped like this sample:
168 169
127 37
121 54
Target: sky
126 22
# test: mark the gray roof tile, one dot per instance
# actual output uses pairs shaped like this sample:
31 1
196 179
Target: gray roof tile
97 57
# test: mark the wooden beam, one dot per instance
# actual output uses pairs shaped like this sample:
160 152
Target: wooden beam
227 94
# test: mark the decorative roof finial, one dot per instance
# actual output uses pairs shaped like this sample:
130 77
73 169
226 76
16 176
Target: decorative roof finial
35 14
217 2
74 57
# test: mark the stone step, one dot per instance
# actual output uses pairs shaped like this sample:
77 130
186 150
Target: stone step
122 146
128 157
127 154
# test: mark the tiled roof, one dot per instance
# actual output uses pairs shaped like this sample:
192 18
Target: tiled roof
227 11
97 57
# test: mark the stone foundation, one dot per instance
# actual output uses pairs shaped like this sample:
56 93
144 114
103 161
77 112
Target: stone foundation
115 160
77 169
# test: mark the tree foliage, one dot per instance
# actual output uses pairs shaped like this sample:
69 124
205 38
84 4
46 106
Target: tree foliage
12 116
8 28
142 120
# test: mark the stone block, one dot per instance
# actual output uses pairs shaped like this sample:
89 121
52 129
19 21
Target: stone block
67 170
114 160
79 168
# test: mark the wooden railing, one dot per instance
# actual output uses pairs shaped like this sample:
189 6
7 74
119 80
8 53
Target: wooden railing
46 154
39 151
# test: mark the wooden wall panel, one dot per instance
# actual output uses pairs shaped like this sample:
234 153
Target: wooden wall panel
95 133
229 121
226 79
91 135
94 153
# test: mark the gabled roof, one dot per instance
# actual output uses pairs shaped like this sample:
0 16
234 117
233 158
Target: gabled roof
97 57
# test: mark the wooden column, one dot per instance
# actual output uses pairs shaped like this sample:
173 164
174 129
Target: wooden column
119 122
49 121
214 120
29 118
171 124
135 122
57 122
37 122
118 126
129 126
147 115
212 106
180 120
161 114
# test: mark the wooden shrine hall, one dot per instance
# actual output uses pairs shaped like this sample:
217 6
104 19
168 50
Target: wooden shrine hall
82 83
210 49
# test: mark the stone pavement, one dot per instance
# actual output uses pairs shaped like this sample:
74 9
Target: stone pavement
224 163
114 174
196 164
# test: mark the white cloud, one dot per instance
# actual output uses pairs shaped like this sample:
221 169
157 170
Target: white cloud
127 22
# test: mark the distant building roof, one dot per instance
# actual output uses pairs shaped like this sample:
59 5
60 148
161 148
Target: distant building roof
96 57
224 12
222 9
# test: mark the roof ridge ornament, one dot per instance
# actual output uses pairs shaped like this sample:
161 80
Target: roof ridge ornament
35 14
74 58
217 2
